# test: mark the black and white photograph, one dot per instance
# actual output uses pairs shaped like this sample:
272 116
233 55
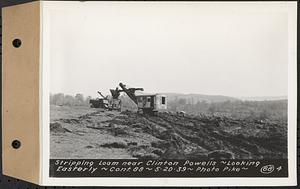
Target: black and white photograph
161 81
172 86
149 94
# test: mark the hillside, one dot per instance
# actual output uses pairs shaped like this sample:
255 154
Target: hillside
264 98
194 98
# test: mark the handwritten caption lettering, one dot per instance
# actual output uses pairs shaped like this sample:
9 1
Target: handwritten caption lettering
162 168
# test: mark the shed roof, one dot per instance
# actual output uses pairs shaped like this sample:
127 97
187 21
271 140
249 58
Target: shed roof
139 93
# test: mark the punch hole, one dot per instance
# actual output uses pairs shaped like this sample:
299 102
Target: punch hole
16 144
17 43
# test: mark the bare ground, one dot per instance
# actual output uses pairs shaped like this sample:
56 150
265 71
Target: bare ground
82 132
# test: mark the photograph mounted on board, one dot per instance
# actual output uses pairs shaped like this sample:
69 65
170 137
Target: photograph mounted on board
169 82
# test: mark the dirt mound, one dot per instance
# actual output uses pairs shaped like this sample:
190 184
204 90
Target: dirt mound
172 136
115 145
220 154
218 137
118 130
57 128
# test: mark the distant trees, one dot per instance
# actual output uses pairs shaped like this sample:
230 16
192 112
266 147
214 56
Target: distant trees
264 114
239 109
68 100
79 99
57 99
61 99
212 109
87 100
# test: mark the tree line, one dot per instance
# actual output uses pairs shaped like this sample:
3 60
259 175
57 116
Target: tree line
61 99
275 110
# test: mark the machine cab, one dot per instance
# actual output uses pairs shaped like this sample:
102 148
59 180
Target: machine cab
152 102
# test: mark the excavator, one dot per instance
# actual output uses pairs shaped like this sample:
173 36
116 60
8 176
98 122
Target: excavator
130 92
146 103
100 102
115 103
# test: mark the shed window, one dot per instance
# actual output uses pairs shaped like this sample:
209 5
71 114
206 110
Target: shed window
163 100
148 99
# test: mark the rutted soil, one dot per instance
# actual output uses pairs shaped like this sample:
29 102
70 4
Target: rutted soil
110 134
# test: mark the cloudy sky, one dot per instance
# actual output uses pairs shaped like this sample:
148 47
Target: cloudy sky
233 49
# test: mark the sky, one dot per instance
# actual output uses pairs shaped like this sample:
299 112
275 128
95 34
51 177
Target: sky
232 49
